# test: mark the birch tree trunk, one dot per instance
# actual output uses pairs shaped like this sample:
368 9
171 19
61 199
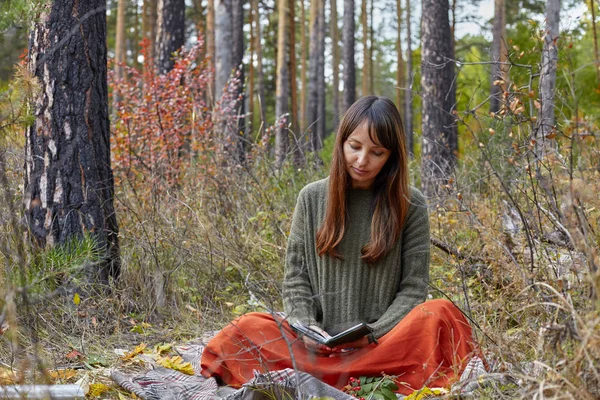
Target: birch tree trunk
499 54
437 92
170 32
69 188
545 134
281 90
223 41
408 114
349 74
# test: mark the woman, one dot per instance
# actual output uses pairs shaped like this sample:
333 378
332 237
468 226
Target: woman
358 251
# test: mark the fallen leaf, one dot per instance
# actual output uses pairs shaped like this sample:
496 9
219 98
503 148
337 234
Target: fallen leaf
138 349
62 374
74 355
76 299
7 376
163 348
177 364
97 390
537 104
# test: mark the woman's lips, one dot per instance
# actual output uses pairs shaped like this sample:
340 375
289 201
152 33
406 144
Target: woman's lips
359 171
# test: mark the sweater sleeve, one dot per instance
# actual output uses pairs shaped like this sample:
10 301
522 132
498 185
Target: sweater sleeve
412 289
298 296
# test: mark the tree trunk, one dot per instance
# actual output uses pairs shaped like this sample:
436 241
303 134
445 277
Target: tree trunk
223 41
545 141
210 46
260 88
364 18
400 78
371 50
408 114
304 57
170 32
251 71
120 47
69 188
437 92
321 120
238 57
298 154
452 27
149 19
281 89
335 54
349 75
312 107
499 54
596 56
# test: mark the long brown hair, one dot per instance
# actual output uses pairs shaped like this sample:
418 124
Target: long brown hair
391 193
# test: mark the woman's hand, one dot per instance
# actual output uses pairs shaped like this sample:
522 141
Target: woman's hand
314 346
350 346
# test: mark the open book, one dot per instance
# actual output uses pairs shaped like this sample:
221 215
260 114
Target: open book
349 335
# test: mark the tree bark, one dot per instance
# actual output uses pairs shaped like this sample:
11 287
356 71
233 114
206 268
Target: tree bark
251 70
69 188
298 153
238 57
312 108
371 49
499 54
400 73
364 18
596 54
545 141
120 47
210 46
223 41
260 88
321 120
349 74
170 32
408 114
281 89
335 55
149 19
438 159
303 73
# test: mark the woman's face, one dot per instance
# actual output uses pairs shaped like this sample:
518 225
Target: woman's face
364 159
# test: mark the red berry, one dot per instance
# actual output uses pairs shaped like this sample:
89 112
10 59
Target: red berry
357 388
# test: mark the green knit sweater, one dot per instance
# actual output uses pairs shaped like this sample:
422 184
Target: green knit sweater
335 294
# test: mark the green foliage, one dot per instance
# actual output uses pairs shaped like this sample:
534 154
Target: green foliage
376 388
19 13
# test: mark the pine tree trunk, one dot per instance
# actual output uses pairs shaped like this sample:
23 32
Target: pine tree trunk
400 73
303 73
335 64
545 141
596 54
69 188
371 50
349 74
251 71
210 46
321 120
499 54
408 114
170 32
120 48
298 154
312 107
437 87
149 19
281 88
366 56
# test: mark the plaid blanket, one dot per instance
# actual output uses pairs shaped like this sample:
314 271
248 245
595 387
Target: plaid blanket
167 384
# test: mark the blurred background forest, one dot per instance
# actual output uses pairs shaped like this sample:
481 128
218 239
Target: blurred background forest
151 153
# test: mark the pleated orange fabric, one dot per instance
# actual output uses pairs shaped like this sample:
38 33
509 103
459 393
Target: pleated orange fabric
429 347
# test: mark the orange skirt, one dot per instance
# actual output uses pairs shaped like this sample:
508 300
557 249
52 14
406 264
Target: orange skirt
429 347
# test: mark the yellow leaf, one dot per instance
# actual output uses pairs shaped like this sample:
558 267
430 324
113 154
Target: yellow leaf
62 374
138 349
177 364
76 299
97 390
425 393
7 376
163 348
